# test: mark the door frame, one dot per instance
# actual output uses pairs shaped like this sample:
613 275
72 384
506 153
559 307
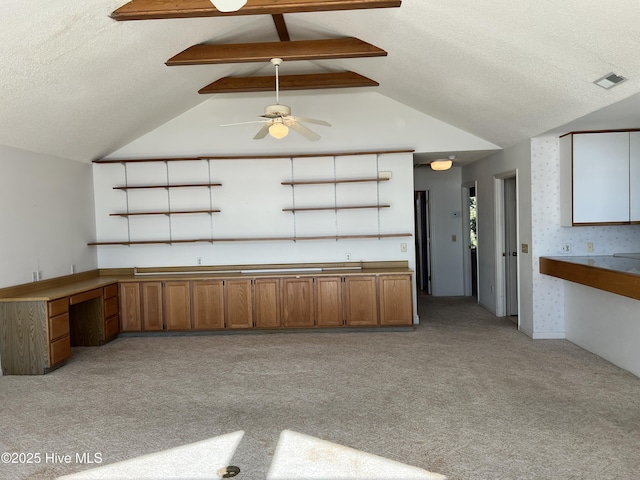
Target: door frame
499 241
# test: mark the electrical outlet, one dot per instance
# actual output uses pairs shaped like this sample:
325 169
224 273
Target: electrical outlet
589 247
347 257
564 248
73 268
403 247
34 276
199 260
39 274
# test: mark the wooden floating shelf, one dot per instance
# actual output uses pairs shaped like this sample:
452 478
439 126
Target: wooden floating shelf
253 239
351 207
249 157
324 182
184 185
186 212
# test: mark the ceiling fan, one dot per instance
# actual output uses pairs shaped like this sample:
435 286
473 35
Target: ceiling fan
228 5
278 120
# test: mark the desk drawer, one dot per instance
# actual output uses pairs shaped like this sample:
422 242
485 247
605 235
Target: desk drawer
84 296
110 307
111 291
58 307
111 327
58 326
60 350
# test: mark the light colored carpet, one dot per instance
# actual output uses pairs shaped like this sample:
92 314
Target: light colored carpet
464 395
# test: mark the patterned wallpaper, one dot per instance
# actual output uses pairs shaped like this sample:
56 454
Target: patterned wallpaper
548 236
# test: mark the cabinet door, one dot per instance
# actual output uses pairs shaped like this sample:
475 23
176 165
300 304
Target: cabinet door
361 300
601 177
634 177
177 305
130 307
151 306
329 305
208 304
266 299
396 304
297 302
238 303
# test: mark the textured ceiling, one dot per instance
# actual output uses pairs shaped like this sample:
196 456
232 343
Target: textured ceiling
77 84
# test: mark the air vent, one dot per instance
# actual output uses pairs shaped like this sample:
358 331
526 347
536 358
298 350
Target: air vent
610 80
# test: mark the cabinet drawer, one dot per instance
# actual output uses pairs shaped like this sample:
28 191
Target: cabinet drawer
111 327
60 350
84 296
111 291
110 307
58 326
58 307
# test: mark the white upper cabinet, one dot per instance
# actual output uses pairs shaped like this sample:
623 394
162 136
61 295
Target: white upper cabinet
595 172
634 177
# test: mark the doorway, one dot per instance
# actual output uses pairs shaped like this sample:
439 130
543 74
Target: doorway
470 240
423 242
506 221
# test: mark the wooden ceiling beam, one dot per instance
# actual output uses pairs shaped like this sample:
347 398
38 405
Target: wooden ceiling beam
281 27
289 82
349 47
158 9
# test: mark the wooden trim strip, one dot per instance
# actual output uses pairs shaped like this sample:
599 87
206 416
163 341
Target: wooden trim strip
133 214
186 185
314 81
159 9
582 132
252 239
263 52
252 157
346 180
350 207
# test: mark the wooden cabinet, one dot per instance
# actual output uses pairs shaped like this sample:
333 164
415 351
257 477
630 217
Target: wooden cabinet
266 300
297 302
634 177
329 304
151 303
361 300
396 304
598 174
59 339
238 303
130 307
177 305
208 304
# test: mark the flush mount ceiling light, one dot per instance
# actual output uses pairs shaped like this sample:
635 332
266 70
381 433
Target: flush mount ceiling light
610 80
443 164
228 5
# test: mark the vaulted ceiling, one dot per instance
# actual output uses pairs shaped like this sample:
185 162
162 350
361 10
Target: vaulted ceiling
77 83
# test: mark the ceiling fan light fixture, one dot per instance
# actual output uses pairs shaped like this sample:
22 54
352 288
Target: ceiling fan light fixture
228 5
278 130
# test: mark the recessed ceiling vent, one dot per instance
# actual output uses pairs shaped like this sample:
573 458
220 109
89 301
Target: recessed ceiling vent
610 80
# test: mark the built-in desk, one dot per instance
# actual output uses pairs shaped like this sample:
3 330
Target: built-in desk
40 322
39 327
611 273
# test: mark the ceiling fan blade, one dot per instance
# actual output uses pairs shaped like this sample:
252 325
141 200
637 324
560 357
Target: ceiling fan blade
262 132
304 131
313 120
242 123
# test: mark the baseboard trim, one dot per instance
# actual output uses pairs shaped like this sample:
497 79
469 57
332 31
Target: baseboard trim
549 336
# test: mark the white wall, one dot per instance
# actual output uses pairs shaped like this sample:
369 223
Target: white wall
548 235
603 323
445 199
47 216
252 197
517 160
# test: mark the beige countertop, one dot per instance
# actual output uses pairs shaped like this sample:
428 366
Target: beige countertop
67 286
